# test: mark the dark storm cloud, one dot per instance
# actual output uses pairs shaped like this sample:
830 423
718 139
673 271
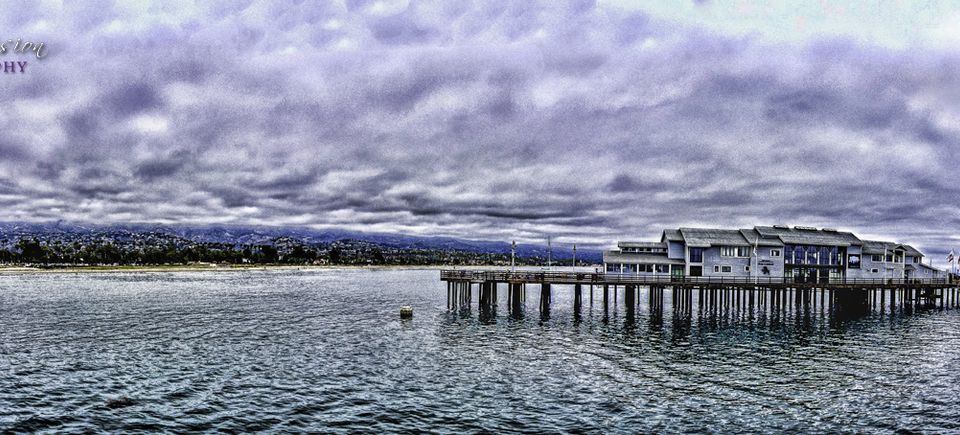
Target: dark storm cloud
473 119
162 166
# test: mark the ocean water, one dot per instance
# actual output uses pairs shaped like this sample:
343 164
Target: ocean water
325 350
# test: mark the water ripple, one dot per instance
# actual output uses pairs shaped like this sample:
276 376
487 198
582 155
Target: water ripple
294 351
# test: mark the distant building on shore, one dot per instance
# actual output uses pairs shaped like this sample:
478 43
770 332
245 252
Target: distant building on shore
804 254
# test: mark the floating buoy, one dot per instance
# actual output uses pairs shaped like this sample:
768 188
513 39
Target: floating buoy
406 312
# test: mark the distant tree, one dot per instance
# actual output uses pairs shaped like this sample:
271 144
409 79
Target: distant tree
268 254
334 255
31 251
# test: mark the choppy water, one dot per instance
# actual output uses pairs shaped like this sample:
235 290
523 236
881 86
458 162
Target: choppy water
325 350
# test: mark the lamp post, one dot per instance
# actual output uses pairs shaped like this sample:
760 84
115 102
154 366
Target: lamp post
549 252
513 254
574 257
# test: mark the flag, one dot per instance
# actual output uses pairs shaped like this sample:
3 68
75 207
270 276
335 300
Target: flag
950 256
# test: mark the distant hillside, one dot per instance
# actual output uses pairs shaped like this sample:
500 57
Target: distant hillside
239 236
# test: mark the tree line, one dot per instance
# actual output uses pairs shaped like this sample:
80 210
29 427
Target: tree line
32 251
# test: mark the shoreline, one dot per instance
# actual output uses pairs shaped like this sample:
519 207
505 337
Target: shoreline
25 270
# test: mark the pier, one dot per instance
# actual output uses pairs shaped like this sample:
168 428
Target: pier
686 292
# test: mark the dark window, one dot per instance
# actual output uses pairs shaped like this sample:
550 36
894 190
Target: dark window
853 261
696 255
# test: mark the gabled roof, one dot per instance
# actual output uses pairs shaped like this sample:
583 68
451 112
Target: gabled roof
810 236
911 251
671 236
753 236
706 237
879 247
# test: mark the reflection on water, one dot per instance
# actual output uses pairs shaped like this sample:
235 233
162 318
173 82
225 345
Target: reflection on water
326 350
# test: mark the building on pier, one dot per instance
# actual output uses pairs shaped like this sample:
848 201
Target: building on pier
800 254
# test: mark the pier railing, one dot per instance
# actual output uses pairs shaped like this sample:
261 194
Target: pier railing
619 278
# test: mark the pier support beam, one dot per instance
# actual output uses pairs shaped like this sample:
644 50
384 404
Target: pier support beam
606 288
545 298
577 298
516 296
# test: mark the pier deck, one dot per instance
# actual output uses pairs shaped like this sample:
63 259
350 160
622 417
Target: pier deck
688 291
590 278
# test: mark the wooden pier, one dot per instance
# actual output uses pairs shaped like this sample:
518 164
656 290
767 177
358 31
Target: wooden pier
687 292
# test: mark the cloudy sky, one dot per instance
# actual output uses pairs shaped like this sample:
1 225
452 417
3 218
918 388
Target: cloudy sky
589 121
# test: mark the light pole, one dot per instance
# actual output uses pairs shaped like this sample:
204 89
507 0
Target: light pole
513 254
549 252
574 257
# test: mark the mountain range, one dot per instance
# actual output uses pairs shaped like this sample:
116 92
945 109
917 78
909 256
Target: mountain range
267 235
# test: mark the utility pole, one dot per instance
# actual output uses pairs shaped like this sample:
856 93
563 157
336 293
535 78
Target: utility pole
574 256
513 254
549 252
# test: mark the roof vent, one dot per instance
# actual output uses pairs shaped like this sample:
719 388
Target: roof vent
830 230
781 227
798 227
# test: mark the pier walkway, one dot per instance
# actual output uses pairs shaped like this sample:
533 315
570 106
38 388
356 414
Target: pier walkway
688 291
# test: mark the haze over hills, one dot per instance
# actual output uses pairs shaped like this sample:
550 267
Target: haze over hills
240 235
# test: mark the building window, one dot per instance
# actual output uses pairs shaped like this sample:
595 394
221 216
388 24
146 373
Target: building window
774 252
696 255
743 251
853 261
876 258
746 268
728 251
916 260
874 270
716 269
726 269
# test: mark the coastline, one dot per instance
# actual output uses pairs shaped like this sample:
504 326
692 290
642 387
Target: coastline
23 270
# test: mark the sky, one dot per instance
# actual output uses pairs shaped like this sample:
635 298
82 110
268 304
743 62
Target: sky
587 121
